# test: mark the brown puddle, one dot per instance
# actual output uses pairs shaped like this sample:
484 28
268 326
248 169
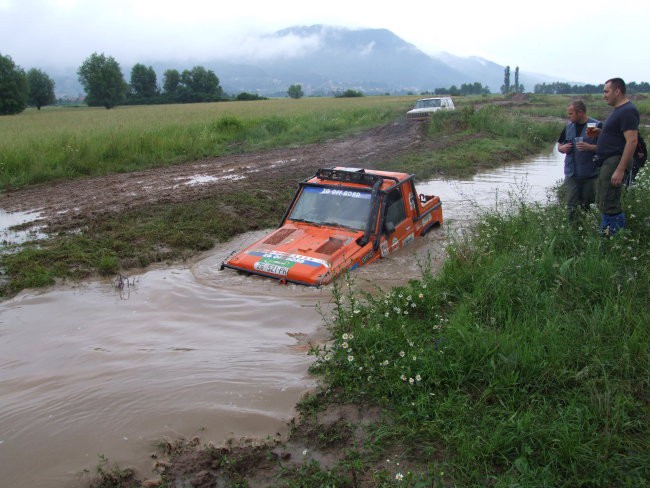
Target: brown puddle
179 351
86 370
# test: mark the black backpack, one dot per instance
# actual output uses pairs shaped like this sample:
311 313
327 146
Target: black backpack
640 153
638 159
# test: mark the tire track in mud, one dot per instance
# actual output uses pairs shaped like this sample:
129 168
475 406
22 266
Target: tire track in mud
70 205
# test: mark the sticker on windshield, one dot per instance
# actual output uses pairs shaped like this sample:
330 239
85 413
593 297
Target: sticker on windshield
337 192
346 193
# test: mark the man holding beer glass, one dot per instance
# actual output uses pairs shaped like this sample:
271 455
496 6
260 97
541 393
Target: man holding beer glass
615 149
580 171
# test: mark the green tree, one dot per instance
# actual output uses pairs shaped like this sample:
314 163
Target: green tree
295 91
473 89
41 89
171 80
143 81
349 93
14 88
244 96
518 89
201 83
505 88
103 81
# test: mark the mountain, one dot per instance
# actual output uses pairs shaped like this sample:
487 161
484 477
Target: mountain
333 58
326 59
371 60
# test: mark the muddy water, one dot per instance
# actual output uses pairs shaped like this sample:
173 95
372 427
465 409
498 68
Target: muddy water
181 351
8 232
529 181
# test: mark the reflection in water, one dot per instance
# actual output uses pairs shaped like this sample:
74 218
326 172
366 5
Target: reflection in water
10 235
529 180
180 351
84 371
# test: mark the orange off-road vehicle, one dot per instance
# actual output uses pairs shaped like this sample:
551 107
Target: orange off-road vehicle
340 219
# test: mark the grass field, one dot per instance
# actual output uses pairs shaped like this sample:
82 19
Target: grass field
59 143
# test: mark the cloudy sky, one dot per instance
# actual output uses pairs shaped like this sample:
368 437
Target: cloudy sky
585 41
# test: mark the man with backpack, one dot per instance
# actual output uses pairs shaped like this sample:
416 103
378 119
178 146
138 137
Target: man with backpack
638 160
617 142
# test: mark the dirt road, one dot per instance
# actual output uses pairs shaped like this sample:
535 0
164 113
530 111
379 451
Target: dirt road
72 204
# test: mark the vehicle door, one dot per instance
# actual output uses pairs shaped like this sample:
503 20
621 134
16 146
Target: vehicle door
397 224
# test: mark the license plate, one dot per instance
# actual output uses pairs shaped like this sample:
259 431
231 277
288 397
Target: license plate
271 268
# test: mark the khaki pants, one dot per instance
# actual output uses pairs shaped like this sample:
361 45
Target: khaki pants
579 192
608 197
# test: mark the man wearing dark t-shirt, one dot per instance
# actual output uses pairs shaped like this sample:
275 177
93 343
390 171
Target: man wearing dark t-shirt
614 149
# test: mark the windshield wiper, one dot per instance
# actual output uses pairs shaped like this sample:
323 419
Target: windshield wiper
338 224
305 221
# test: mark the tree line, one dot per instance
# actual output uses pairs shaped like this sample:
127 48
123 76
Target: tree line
507 87
475 88
559 88
101 77
17 88
105 86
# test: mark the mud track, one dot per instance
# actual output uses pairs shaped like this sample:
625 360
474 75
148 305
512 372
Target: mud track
73 204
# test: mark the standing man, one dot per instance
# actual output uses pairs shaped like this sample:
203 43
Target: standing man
615 149
580 171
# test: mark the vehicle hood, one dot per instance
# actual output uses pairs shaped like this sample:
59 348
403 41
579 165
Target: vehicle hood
305 254
423 110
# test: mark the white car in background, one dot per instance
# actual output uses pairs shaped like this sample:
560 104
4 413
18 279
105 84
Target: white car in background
424 107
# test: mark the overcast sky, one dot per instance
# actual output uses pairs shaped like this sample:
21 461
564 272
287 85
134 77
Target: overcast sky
585 41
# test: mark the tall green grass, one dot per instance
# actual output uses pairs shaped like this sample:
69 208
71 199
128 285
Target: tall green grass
477 136
524 362
59 143
496 121
66 143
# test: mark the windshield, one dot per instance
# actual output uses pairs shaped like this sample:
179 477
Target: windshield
429 103
333 206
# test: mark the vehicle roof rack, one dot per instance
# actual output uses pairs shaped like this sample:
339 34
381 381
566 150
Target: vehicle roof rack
350 175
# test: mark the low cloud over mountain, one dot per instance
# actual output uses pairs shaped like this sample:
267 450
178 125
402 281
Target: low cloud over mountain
325 59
